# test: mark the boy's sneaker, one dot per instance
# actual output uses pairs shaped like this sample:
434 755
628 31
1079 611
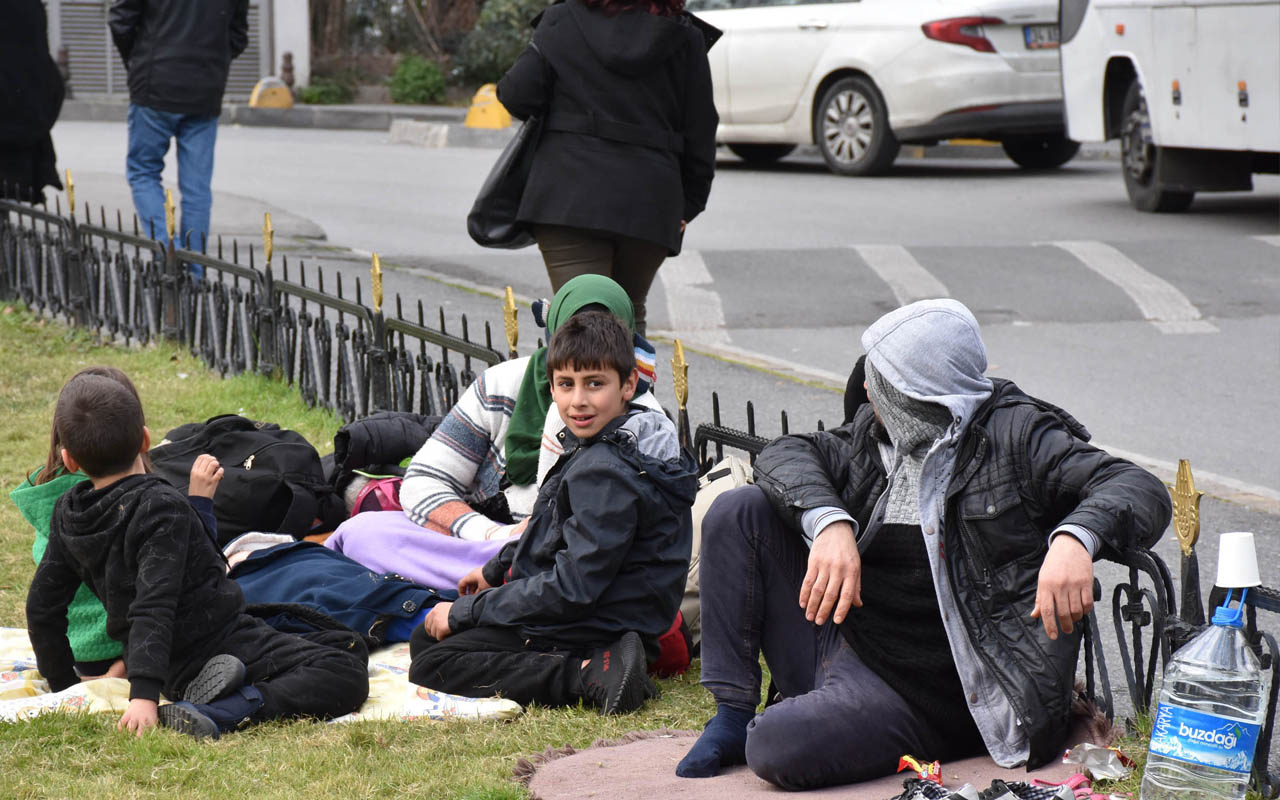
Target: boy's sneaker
219 676
186 718
1017 790
615 678
920 789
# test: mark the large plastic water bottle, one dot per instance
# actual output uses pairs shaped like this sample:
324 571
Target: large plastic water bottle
1212 707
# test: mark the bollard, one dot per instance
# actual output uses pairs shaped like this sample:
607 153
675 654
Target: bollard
486 111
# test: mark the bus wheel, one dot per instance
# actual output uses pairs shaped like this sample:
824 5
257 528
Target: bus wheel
1139 154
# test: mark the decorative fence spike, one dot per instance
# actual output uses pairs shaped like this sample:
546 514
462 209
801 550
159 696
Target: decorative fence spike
71 194
1186 524
168 213
268 237
509 312
375 283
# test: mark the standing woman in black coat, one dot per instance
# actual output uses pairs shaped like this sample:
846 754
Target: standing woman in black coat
31 94
628 146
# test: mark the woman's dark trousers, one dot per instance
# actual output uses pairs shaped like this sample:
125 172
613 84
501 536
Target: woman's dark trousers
570 252
839 722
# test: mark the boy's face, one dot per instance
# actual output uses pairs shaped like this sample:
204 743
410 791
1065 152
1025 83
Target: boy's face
589 399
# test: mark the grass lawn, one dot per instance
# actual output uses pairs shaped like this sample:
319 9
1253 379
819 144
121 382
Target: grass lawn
68 756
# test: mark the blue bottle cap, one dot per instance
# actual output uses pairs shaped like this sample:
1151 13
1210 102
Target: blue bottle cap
1229 617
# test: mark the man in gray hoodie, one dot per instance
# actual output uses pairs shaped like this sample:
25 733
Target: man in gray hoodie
940 547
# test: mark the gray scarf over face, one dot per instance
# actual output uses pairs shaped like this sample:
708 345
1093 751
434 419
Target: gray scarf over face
913 426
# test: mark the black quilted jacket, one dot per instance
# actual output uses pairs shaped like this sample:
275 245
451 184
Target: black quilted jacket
1024 467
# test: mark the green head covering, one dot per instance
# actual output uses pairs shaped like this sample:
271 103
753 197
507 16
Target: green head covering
524 435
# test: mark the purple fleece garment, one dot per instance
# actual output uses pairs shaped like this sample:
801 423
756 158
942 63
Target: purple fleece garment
388 541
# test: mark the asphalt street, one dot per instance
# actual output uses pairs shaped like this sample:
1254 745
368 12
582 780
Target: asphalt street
1160 332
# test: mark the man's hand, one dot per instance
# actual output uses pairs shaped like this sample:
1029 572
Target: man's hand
1065 592
140 715
206 474
473 582
437 621
834 577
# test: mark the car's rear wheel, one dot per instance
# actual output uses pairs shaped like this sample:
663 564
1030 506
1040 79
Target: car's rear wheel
1138 156
1040 152
761 153
851 126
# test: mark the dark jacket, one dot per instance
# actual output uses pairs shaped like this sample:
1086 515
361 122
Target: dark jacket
607 547
1023 468
144 552
178 52
31 93
630 77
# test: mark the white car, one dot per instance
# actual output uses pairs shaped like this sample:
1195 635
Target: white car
860 78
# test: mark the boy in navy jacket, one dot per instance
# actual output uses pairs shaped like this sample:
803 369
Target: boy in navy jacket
574 608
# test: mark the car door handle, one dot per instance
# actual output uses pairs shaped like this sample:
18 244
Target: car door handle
813 25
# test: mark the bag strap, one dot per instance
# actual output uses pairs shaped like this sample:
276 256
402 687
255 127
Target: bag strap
591 125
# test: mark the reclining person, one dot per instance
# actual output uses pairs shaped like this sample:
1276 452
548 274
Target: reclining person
940 547
145 552
573 609
477 477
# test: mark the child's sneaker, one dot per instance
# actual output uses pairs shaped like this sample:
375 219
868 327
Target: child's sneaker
1017 790
615 678
219 676
920 789
186 718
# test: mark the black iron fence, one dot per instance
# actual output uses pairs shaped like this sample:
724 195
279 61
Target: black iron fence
238 317
320 335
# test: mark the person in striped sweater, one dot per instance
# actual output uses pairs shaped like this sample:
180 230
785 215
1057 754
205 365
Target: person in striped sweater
475 480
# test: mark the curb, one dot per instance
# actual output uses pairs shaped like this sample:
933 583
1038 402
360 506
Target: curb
442 126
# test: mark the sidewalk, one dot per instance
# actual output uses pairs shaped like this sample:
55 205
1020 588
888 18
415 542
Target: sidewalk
441 126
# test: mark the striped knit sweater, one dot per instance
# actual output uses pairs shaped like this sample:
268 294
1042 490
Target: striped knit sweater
464 460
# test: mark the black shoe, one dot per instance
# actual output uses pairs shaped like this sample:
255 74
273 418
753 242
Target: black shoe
615 680
219 676
186 718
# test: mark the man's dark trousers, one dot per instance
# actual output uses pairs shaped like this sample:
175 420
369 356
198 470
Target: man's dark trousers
488 661
839 722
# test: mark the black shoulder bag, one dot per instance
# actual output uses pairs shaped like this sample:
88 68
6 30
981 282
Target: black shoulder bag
492 221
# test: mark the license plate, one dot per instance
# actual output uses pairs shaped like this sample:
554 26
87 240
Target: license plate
1040 37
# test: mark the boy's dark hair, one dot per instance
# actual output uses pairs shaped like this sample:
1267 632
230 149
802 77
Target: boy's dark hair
99 422
53 466
592 340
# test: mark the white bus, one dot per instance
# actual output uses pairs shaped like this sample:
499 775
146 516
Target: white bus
1190 87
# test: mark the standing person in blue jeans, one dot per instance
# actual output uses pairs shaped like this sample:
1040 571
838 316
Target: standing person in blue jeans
178 54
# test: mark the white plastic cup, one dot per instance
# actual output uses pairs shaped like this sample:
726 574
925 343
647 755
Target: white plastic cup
1237 561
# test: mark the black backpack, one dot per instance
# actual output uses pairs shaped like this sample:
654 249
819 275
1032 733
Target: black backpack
272 479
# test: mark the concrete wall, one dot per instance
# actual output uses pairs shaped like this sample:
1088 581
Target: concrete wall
292 29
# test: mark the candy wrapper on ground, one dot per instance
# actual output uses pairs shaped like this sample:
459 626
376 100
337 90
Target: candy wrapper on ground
1099 762
926 770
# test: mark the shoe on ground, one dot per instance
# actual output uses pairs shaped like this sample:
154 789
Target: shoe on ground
220 676
1017 790
186 718
921 789
615 679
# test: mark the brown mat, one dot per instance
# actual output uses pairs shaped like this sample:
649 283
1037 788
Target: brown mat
642 766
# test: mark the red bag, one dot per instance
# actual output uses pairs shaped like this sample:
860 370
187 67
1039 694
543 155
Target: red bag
379 494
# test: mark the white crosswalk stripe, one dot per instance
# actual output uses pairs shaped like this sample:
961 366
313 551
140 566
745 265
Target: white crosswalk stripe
1271 240
1159 301
905 277
693 307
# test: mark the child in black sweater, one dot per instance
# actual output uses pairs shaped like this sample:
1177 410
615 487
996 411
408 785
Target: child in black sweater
142 549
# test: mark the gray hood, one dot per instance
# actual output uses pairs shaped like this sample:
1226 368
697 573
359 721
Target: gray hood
932 350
